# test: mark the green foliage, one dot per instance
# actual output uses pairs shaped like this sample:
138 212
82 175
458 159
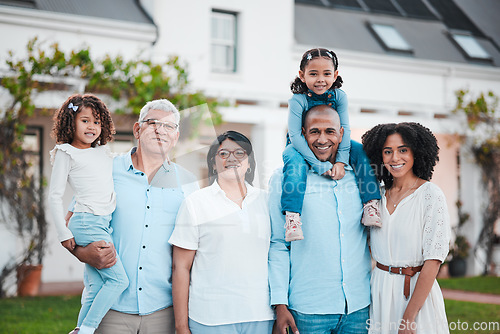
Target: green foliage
133 82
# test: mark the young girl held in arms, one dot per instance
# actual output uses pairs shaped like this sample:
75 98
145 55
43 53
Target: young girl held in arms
82 127
319 83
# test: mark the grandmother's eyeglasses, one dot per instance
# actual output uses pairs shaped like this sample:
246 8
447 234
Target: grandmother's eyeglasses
167 126
238 154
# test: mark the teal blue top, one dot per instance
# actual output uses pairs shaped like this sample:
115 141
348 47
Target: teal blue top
298 104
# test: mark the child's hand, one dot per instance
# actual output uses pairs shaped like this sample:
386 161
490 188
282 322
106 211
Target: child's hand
69 244
328 173
338 171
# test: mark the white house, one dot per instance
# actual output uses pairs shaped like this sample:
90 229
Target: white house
400 60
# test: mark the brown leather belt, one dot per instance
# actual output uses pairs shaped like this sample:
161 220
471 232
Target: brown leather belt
409 272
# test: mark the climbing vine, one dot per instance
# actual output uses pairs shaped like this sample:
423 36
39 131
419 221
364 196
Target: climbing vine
482 136
131 82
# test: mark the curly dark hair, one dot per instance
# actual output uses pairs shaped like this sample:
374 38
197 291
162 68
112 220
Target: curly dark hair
299 87
64 119
239 139
420 139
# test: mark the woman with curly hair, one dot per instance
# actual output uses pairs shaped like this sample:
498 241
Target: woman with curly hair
414 238
82 127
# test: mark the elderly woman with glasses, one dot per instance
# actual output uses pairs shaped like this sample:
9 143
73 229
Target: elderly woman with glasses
221 241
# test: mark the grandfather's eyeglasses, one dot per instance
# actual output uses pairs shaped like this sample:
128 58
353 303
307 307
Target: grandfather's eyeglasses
238 154
167 126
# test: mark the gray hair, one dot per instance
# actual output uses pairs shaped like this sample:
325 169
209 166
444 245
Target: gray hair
164 105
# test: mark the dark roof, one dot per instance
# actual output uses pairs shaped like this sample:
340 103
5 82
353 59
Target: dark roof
341 24
122 10
485 15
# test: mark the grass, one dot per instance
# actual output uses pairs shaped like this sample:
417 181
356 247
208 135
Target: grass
484 284
463 316
40 315
43 315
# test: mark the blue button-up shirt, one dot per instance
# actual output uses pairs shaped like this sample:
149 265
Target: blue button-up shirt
142 224
329 271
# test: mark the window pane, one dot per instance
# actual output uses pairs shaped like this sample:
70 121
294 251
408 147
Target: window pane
391 37
471 46
223 41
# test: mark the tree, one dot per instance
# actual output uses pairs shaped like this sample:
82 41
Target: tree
482 136
131 82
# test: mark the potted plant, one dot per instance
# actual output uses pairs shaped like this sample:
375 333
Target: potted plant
457 266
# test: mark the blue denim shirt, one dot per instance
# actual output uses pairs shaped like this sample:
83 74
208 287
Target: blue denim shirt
331 266
142 224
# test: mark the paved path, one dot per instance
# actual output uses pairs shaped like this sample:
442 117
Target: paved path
61 288
471 296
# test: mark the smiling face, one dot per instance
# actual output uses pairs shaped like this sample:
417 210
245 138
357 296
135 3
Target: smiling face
319 74
87 129
155 140
397 156
323 132
231 168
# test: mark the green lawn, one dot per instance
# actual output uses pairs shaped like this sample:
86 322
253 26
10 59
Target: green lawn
42 315
39 315
463 316
484 284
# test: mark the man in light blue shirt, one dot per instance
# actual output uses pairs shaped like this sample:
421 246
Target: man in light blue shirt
149 190
321 284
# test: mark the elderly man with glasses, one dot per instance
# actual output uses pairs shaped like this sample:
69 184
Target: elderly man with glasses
149 191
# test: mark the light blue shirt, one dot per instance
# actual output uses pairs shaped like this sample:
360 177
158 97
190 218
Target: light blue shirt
142 224
331 266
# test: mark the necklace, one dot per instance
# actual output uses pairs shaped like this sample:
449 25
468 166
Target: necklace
394 203
240 198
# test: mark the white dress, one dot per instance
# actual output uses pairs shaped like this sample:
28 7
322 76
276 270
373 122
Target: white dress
418 230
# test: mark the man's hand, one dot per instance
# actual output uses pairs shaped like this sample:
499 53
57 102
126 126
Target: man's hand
69 244
99 254
284 319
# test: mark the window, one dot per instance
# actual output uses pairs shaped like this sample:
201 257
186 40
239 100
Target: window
223 41
390 38
469 45
32 145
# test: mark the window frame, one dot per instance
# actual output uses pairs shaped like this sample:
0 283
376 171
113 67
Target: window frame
230 65
463 49
385 42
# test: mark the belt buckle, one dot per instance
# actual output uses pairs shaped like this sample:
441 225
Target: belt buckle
390 270
400 270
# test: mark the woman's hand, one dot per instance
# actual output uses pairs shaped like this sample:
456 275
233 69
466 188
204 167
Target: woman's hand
407 326
182 330
284 319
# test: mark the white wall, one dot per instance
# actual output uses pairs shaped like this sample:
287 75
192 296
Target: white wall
268 60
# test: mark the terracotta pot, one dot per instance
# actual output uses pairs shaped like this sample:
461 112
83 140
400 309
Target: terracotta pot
29 278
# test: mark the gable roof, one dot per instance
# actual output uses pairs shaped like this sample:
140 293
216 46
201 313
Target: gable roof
122 10
344 24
